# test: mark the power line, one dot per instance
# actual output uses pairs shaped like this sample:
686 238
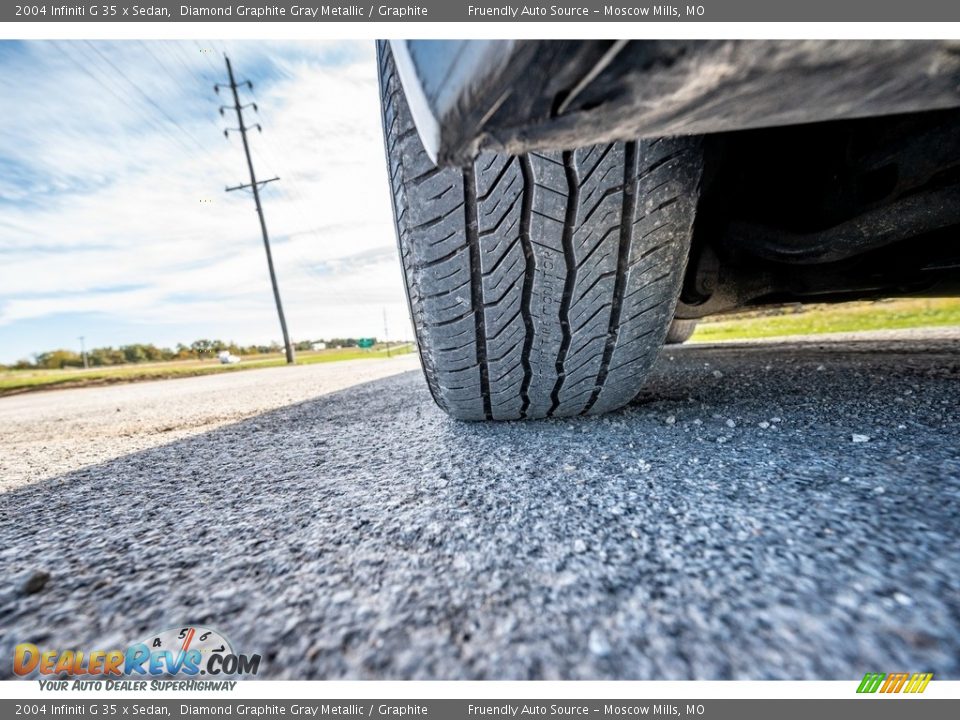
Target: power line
201 81
88 69
298 201
149 117
148 99
157 60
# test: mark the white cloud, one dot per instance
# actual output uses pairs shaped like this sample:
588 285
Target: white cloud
115 210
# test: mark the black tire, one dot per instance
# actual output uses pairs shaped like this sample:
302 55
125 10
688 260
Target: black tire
680 331
541 285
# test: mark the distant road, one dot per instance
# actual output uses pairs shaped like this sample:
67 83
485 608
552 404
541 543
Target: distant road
45 434
786 509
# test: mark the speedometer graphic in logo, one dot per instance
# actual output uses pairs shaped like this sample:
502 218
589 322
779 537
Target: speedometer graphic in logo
178 641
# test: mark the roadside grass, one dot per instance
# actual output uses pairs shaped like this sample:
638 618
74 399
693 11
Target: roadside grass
792 320
817 319
20 381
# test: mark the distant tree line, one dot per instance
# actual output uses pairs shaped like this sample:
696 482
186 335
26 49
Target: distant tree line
141 353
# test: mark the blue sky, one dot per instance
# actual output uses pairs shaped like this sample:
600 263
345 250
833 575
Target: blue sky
114 223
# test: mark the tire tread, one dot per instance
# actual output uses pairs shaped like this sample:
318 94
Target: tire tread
540 285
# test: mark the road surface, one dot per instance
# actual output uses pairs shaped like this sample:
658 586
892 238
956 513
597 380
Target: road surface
775 509
49 432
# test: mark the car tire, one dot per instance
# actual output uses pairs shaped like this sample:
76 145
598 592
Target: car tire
680 331
540 285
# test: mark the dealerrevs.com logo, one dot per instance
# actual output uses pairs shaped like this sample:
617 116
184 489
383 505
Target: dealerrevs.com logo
183 652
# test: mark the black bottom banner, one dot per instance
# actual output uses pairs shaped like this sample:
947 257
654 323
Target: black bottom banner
874 708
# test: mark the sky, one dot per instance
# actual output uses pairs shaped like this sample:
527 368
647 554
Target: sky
114 222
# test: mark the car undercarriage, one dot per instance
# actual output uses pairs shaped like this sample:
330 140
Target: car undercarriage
825 212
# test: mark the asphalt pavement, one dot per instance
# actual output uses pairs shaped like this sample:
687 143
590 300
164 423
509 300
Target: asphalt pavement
45 434
776 509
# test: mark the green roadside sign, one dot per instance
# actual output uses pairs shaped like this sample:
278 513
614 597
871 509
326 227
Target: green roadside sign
365 343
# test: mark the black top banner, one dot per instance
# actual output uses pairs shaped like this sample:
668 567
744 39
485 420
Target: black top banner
491 11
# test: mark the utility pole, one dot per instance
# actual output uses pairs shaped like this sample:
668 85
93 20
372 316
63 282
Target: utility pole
254 185
83 352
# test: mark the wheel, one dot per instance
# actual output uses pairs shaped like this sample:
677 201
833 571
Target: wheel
680 331
541 285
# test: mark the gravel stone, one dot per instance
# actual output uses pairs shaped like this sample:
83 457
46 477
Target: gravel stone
35 582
